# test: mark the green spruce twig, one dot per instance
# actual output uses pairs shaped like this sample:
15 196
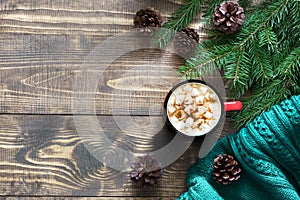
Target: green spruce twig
286 82
178 20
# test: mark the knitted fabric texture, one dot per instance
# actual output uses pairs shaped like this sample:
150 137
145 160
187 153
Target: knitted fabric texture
268 150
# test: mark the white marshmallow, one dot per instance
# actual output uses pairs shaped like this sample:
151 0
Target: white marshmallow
178 107
172 100
202 109
204 127
174 119
180 114
207 96
179 99
213 97
203 89
200 121
195 92
196 124
188 88
196 115
208 115
189 122
194 108
199 99
188 100
188 130
188 109
179 125
171 109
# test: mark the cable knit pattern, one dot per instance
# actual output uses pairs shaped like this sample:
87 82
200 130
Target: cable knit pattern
268 150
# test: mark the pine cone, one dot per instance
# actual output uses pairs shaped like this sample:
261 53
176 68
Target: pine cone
146 170
186 41
226 169
229 17
147 19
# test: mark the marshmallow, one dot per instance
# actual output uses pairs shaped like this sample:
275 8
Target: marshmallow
180 114
171 109
208 115
200 121
188 88
199 99
196 115
188 109
195 92
172 100
189 122
180 99
180 125
207 96
174 119
202 109
203 90
195 125
204 127
188 100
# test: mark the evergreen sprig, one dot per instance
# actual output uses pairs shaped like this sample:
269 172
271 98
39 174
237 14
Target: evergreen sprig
184 15
285 82
178 20
263 57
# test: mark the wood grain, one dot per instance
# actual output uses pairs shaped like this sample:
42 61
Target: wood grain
47 88
43 155
43 47
75 17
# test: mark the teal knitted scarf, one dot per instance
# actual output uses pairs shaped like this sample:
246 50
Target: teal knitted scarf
268 150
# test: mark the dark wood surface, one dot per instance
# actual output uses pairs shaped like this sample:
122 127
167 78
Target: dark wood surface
43 44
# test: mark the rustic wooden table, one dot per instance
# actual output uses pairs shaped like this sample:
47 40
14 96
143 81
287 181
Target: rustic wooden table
43 44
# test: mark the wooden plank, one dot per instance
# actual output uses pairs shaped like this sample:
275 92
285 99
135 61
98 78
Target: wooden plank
44 156
88 198
75 17
48 86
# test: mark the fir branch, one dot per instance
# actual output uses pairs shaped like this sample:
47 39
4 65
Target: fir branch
184 15
262 70
181 18
285 83
261 100
268 38
290 68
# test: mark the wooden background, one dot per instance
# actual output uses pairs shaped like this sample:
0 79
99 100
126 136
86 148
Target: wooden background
42 46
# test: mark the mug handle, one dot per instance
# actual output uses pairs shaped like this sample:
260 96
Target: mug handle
233 106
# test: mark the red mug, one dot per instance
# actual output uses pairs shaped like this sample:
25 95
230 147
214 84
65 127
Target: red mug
182 111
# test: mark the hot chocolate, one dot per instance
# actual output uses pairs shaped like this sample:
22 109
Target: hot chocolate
193 109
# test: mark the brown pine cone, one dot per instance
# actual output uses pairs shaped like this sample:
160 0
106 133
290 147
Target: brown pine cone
186 41
226 169
147 19
229 17
146 170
